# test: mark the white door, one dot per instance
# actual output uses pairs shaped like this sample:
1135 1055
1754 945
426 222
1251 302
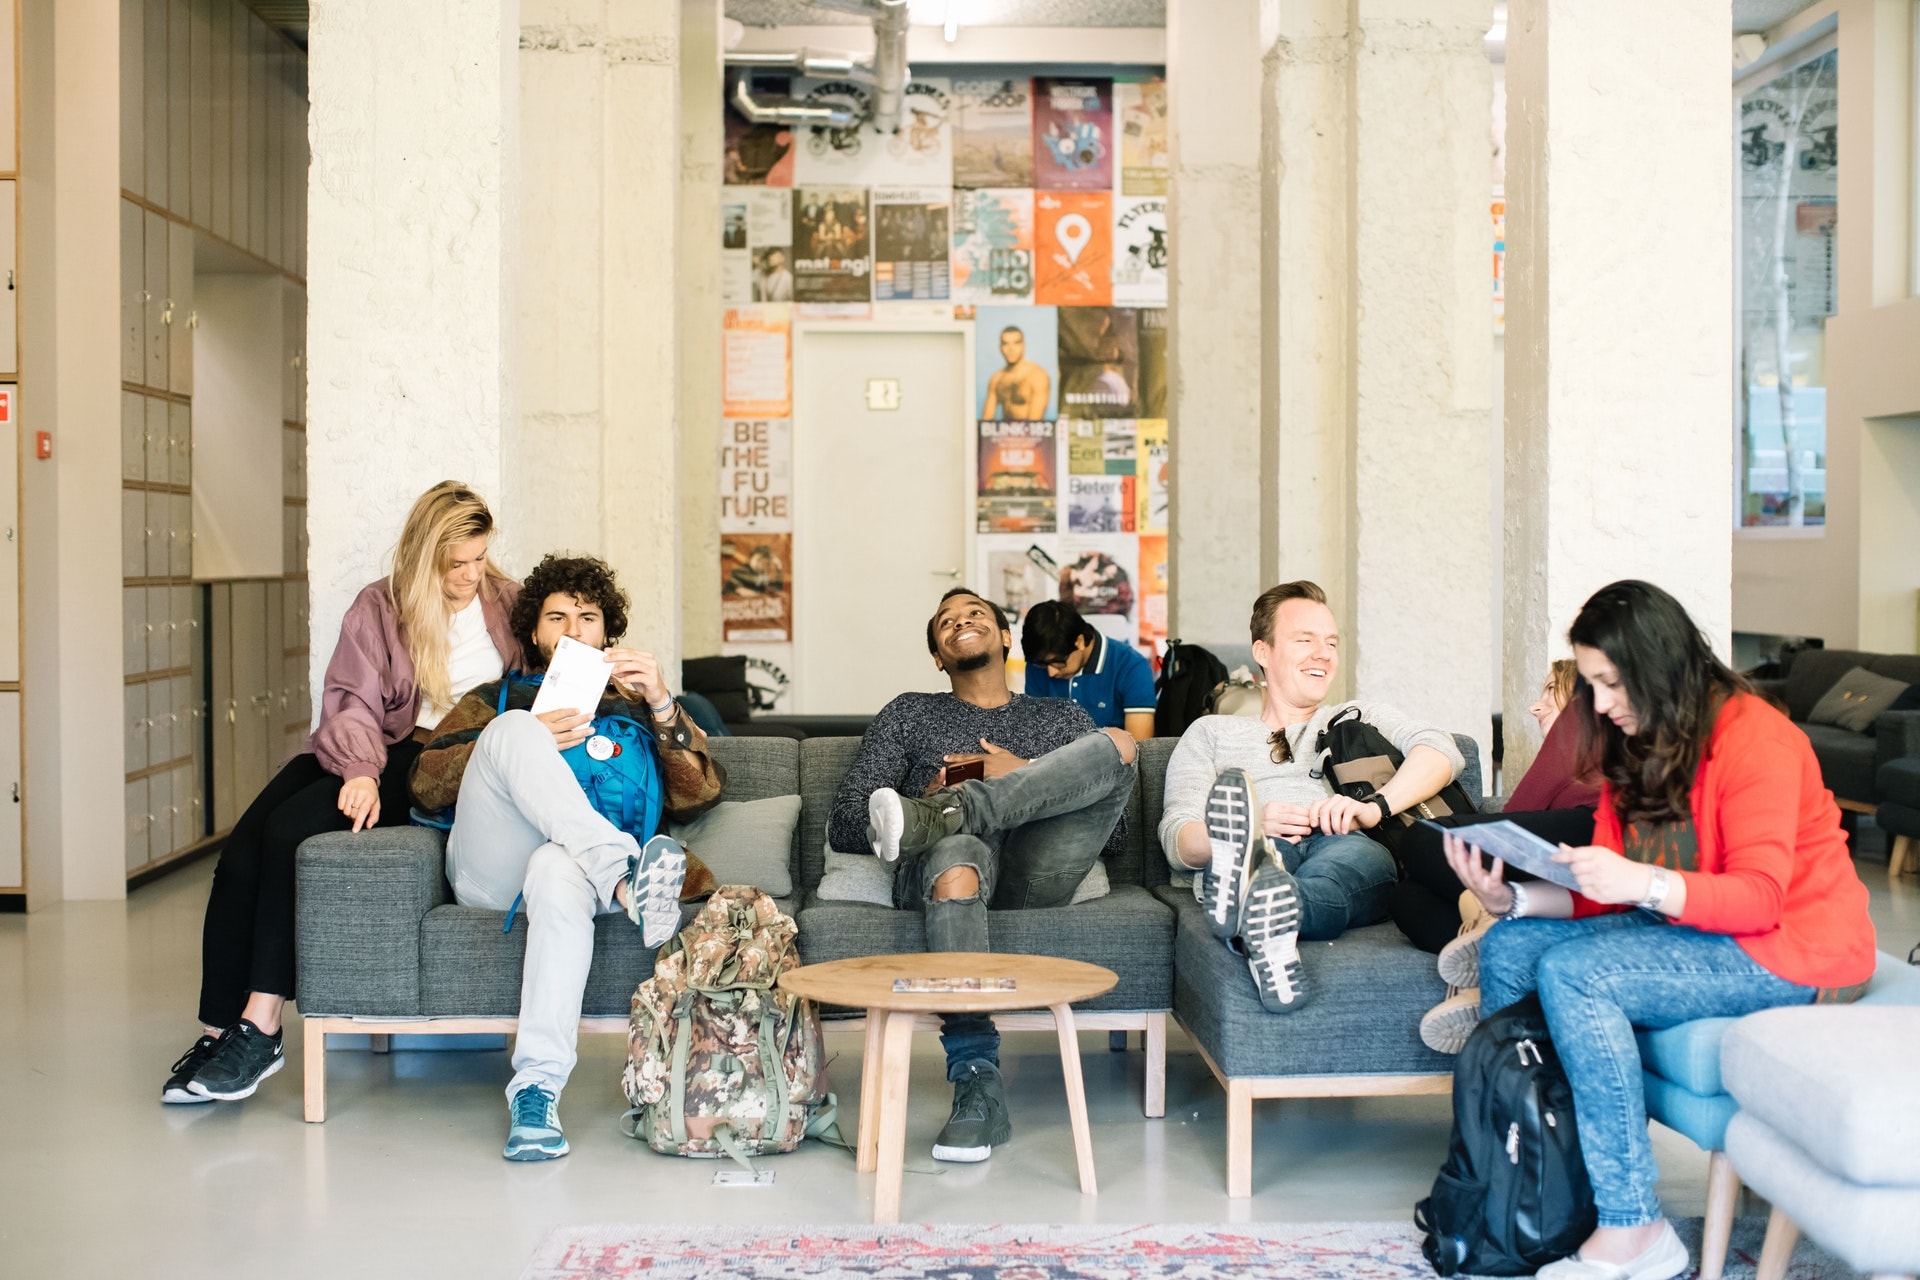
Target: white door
879 511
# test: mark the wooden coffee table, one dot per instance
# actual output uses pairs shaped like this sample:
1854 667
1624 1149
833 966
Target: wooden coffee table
867 983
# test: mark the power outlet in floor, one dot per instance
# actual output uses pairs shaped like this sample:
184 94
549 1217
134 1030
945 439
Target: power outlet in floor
743 1177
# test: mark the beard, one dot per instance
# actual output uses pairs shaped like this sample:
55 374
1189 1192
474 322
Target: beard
973 661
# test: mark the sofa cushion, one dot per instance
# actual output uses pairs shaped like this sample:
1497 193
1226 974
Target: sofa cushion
1855 699
758 768
861 877
746 842
1904 667
358 911
1127 931
1813 673
1875 1230
1688 1055
1828 1079
1369 989
1900 781
1701 1118
1846 760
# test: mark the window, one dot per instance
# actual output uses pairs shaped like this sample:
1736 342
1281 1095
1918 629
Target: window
1788 148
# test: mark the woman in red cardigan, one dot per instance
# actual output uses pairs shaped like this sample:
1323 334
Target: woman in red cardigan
1718 884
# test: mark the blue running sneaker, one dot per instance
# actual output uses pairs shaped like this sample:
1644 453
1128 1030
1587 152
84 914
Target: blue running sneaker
535 1131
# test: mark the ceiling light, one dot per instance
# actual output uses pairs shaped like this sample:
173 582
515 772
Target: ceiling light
951 27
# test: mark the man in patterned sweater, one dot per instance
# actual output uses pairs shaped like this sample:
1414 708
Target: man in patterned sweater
525 826
1044 795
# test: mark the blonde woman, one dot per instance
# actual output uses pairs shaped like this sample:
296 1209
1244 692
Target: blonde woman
410 646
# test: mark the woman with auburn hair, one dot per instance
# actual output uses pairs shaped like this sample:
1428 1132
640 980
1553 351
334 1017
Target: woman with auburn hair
1717 884
409 646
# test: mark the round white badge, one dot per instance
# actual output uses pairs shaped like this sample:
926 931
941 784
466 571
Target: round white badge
600 747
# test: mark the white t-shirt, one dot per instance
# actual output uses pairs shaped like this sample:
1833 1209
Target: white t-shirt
471 660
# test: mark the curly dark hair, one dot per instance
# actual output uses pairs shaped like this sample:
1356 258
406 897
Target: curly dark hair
586 579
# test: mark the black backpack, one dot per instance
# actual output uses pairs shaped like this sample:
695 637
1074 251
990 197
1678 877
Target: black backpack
1358 759
1188 674
1513 1194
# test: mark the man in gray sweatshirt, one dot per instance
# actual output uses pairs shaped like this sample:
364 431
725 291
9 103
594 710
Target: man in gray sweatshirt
1275 855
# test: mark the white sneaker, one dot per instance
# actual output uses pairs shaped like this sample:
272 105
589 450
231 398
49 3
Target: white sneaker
1663 1260
654 880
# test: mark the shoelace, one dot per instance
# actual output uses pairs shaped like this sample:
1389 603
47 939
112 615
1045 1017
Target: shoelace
530 1108
202 1048
971 1103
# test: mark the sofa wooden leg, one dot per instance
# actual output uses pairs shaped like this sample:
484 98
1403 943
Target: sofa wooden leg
1901 857
1240 1141
1116 1042
1776 1251
1155 1038
1723 1189
380 1043
314 1067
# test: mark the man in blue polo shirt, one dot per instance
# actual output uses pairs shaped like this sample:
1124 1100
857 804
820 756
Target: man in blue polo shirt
1067 658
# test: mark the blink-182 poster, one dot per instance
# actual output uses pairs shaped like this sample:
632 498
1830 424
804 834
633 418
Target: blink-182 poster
1019 474
831 244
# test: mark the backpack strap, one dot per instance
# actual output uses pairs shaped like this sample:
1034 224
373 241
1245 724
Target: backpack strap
677 1084
500 705
773 1069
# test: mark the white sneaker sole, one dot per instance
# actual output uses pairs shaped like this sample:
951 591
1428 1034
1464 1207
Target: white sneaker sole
181 1096
1271 929
1229 821
886 821
247 1092
656 887
961 1155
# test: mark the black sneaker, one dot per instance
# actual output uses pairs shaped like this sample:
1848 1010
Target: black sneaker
898 824
1270 931
245 1056
1233 834
979 1119
186 1068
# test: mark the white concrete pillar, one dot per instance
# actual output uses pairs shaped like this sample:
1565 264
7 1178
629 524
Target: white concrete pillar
1214 354
411 268
702 129
1421 331
1619 327
73 786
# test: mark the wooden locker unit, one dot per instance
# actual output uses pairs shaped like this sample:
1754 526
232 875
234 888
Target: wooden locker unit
139 729
219 146
139 817
13 871
186 628
153 90
159 517
221 706
180 445
276 94
258 37
133 436
198 710
180 536
133 291
9 282
133 102
159 700
200 108
183 723
133 622
154 440
160 629
156 299
179 122
185 807
133 533
159 815
179 310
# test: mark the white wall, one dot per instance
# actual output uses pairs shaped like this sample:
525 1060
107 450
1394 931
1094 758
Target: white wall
238 445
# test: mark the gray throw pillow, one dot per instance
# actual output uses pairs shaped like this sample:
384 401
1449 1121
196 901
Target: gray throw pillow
1855 699
745 842
861 877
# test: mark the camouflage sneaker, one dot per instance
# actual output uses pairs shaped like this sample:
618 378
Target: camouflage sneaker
898 824
534 1127
1233 836
653 881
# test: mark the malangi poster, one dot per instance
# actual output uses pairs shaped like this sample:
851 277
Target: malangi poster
1017 573
1152 384
756 589
1073 248
993 246
832 245
1153 592
1150 457
1100 504
1016 362
993 132
921 152
756 475
1018 477
1140 113
1140 253
755 361
1099 361
757 155
910 243
1072 134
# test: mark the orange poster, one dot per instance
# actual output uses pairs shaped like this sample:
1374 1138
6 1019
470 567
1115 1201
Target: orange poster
755 378
1073 248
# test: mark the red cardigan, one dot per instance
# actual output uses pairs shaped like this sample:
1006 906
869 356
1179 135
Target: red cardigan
1773 865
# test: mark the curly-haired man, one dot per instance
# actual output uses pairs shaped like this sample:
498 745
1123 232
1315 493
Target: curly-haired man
525 827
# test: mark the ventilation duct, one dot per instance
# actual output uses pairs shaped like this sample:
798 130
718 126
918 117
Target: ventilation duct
888 68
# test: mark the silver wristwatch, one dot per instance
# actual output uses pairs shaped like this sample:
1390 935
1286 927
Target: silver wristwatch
1519 907
1656 890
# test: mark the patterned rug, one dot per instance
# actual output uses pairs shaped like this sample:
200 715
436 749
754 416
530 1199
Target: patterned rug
1167 1251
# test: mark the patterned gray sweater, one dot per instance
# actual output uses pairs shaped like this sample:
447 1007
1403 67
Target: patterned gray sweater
907 743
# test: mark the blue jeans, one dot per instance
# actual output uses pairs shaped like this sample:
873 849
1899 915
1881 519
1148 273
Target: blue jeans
1030 837
1344 882
1598 979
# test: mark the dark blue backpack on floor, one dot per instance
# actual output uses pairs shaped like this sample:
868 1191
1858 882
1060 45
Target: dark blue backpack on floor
1513 1194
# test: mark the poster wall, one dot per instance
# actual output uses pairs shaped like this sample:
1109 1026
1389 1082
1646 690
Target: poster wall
1073 254
910 243
1018 478
756 358
1140 106
993 132
832 245
993 246
756 594
1016 360
1072 134
756 476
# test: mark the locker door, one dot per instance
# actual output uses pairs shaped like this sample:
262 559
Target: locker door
133 533
156 289
180 535
251 691
133 292
180 708
220 142
159 516
139 728
197 723
200 125
159 722
153 89
9 285
160 629
12 871
133 436
133 104
180 308
276 664
9 549
159 816
184 807
186 629
221 708
133 629
180 443
155 440
138 821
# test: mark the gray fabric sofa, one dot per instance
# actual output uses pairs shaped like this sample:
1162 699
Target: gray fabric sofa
1850 762
384 949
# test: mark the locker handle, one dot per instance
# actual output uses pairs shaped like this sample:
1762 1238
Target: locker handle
166 312
9 279
16 793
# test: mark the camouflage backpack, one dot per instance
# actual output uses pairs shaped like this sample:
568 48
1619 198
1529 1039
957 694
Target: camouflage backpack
719 1063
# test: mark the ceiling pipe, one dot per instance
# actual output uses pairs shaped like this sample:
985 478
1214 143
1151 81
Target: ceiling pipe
821 66
889 71
788 110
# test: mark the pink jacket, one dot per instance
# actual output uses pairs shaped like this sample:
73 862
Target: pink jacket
371 701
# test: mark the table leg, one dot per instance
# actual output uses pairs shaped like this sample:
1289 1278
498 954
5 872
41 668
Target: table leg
1076 1095
869 1139
892 1153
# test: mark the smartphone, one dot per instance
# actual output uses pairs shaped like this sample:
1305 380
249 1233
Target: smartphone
966 770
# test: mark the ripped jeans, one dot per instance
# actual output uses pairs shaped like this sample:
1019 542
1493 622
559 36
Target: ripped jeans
1030 837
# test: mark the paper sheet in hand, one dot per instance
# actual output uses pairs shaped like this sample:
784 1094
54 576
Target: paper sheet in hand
576 678
1517 846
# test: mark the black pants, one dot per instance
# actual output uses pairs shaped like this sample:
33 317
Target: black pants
247 944
1426 902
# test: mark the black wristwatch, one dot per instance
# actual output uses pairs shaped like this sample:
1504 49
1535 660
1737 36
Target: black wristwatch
1386 810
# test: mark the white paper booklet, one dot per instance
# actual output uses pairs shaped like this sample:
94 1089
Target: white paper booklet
1517 846
576 677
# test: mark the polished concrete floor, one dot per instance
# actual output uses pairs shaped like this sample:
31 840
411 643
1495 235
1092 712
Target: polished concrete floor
405 1177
